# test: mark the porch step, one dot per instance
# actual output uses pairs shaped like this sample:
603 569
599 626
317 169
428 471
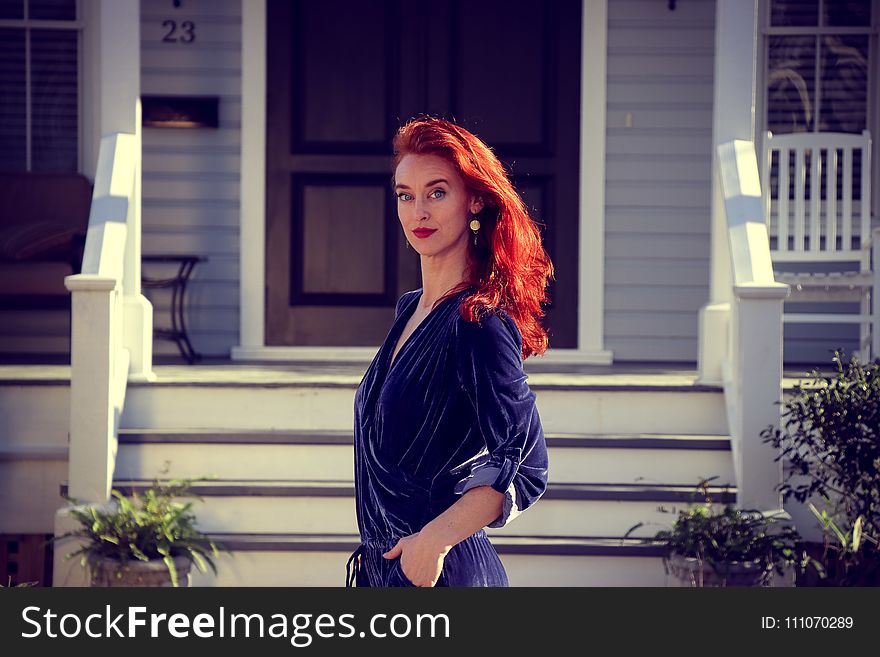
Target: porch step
572 510
320 559
308 399
277 445
327 455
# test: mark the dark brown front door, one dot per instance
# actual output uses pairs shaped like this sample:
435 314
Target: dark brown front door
342 76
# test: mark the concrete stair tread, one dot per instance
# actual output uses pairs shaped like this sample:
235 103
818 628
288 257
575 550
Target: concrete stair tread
615 491
504 544
132 436
24 373
343 375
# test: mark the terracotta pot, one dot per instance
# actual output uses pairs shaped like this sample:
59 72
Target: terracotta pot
140 573
734 573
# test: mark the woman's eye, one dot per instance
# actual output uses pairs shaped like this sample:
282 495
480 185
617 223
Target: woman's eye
403 196
437 193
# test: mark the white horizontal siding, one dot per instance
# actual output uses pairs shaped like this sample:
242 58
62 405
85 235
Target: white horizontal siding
628 219
659 194
673 349
814 344
193 186
678 118
191 177
664 300
658 173
34 332
662 272
37 322
649 244
632 324
658 188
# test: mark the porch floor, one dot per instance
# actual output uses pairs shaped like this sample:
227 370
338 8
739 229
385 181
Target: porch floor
218 371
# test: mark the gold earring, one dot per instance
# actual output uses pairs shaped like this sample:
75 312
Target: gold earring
475 226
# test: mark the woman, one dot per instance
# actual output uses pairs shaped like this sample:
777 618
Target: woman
447 435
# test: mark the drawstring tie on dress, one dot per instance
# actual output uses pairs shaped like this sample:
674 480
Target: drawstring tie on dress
352 573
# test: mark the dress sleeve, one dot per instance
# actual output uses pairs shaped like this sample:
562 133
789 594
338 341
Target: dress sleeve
490 371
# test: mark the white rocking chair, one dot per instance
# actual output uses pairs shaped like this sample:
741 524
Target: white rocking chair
812 215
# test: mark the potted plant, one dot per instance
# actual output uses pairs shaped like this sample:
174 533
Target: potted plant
829 434
706 546
142 540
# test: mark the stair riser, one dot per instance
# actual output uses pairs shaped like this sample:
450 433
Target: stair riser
336 515
261 462
583 411
335 462
292 568
603 411
234 407
34 416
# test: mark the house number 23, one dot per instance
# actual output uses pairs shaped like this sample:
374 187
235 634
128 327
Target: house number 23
183 33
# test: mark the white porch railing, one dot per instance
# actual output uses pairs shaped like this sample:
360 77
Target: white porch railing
752 366
99 362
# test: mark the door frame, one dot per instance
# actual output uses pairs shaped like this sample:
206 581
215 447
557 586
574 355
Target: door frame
591 259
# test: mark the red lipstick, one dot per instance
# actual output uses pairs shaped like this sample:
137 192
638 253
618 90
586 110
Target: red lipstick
424 232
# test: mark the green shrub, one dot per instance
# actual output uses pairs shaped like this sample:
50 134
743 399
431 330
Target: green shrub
829 434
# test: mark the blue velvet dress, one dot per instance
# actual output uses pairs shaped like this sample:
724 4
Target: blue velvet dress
452 412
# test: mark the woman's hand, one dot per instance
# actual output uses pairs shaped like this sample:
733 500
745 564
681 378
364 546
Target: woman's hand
421 560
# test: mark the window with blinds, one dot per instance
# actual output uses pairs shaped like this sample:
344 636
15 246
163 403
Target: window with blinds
819 61
39 85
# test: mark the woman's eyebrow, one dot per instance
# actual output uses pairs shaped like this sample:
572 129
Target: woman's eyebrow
430 183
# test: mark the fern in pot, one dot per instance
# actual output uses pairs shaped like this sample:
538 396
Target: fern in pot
706 546
147 539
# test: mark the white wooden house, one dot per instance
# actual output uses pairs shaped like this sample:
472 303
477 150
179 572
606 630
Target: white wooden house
635 129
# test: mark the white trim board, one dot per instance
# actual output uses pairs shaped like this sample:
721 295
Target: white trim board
591 304
252 271
591 260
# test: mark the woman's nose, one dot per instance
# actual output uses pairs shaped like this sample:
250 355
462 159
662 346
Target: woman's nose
421 210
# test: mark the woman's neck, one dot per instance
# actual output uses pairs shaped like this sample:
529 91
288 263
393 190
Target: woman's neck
438 280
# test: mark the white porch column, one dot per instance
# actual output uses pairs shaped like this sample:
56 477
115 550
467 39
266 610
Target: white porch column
119 65
591 258
252 269
733 117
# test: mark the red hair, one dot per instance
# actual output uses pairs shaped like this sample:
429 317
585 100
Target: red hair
509 265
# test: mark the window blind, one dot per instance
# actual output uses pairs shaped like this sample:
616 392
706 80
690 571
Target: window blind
39 87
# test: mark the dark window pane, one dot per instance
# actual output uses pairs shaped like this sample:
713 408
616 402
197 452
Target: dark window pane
851 13
791 83
52 10
13 122
844 84
54 100
11 8
789 13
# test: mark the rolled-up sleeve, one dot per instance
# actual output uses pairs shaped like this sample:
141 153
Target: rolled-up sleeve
490 372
